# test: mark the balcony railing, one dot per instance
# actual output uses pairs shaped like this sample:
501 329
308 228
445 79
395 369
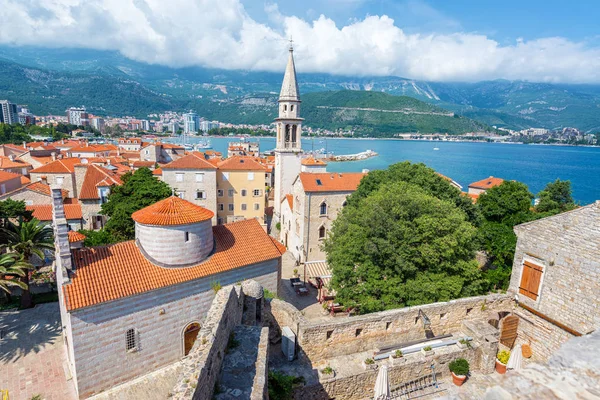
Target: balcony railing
291 145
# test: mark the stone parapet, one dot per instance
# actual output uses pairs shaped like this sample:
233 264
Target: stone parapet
260 388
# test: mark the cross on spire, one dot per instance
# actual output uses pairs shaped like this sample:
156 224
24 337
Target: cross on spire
291 43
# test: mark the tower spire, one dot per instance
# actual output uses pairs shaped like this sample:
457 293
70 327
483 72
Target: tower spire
289 87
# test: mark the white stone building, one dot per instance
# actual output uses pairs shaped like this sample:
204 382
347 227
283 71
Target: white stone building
135 306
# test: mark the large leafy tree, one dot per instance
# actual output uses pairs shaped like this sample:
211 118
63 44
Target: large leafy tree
420 175
12 265
27 238
399 245
140 189
509 202
556 197
10 208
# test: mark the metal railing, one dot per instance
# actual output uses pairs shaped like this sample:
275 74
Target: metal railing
422 386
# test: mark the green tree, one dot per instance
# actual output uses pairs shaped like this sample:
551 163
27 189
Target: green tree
97 238
399 246
508 202
27 238
420 175
556 197
10 208
12 265
139 190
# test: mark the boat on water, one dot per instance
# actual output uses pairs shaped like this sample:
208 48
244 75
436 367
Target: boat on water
436 148
204 144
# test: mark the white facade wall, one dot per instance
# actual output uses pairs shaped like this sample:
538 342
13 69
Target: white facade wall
159 317
287 168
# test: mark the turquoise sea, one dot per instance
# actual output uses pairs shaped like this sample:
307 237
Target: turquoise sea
466 162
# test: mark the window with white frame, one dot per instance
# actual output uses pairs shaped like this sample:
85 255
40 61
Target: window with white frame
200 195
178 177
131 340
230 192
243 206
244 192
256 206
250 176
220 207
199 177
60 180
230 207
256 192
220 192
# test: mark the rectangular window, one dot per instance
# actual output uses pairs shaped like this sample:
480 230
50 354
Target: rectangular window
220 221
181 195
256 206
256 192
60 180
131 340
230 206
244 192
178 177
230 192
531 278
187 236
225 176
221 208
199 177
243 207
3 188
200 195
250 176
220 192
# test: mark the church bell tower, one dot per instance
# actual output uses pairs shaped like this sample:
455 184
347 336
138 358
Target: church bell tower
289 131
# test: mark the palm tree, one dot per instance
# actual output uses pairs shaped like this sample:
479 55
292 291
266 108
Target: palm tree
12 264
27 238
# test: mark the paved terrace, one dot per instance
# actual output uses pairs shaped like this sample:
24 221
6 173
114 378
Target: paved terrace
32 354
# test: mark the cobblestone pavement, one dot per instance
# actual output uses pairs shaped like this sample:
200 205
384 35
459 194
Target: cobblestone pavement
474 388
32 356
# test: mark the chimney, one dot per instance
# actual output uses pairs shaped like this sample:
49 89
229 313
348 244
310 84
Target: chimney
53 156
25 144
11 157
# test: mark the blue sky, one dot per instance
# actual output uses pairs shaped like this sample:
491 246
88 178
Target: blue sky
432 40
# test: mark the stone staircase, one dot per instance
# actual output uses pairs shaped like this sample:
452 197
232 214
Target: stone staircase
423 388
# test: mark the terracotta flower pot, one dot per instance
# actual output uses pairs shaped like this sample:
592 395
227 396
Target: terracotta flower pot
500 368
458 380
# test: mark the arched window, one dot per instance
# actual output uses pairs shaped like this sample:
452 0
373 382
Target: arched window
287 133
294 128
323 208
345 203
292 107
285 107
322 232
131 340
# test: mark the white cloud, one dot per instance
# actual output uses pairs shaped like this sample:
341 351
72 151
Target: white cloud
221 34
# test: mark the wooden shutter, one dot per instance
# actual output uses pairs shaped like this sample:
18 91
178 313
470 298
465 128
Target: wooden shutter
509 330
530 280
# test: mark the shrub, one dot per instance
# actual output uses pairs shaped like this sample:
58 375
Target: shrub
216 286
269 295
460 366
465 342
503 356
369 361
427 348
398 354
278 226
327 370
281 386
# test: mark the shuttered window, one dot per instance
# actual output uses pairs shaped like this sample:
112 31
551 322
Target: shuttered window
530 280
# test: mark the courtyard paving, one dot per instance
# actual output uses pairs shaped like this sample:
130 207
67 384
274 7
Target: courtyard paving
32 356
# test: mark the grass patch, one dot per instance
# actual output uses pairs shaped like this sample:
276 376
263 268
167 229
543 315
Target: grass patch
232 343
281 386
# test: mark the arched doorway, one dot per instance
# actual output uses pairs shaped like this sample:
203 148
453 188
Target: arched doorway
189 337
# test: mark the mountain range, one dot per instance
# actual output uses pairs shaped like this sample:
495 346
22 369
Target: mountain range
50 80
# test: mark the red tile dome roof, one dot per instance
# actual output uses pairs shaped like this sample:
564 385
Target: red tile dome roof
172 211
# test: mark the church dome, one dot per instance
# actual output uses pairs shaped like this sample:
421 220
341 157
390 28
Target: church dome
174 233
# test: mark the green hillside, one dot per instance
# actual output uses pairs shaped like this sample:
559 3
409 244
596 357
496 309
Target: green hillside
379 114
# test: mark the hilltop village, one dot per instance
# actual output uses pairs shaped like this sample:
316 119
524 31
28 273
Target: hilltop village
189 274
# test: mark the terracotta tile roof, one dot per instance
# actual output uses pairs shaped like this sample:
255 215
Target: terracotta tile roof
141 164
193 160
36 144
472 196
290 200
96 177
157 171
172 211
42 160
15 147
487 183
76 236
120 270
25 180
330 182
130 155
7 176
42 188
62 166
239 163
312 161
43 212
130 141
6 162
92 148
282 249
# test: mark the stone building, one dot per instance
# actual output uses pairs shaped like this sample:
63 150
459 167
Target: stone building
555 276
194 179
479 187
240 190
9 182
59 172
131 144
130 308
14 165
32 194
309 211
161 152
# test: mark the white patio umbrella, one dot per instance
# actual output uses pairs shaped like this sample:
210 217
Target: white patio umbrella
516 358
382 385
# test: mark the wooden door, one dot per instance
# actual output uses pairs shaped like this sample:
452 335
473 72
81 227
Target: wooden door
189 337
509 330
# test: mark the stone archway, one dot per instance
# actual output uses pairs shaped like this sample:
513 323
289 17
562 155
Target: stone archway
190 333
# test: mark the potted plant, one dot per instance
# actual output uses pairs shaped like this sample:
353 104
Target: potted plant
427 351
325 308
460 370
296 273
369 363
327 372
463 344
397 357
501 361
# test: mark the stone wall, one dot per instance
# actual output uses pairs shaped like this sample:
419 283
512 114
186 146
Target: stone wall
260 389
324 340
202 366
68 181
283 314
28 196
